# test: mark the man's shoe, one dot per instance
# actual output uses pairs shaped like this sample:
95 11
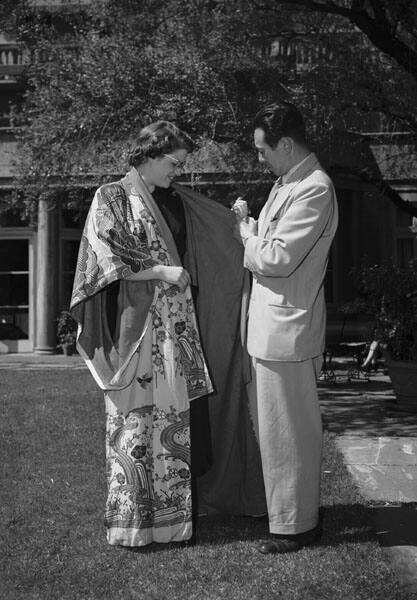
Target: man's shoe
280 544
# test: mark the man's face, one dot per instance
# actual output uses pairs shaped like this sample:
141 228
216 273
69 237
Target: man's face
277 159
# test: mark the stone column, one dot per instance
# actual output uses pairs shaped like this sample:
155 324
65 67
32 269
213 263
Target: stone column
47 282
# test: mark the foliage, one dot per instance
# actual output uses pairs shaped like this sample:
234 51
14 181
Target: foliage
131 64
207 66
376 48
389 294
66 329
363 79
390 26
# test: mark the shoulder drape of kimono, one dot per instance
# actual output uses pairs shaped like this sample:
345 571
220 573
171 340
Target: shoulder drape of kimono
111 310
108 253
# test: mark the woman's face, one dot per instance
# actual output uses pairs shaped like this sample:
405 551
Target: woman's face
162 170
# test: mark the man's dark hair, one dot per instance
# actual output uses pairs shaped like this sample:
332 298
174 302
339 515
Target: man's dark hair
280 120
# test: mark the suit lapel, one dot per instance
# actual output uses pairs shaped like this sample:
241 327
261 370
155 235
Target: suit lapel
272 208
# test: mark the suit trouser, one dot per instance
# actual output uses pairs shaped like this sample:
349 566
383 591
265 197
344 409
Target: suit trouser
287 421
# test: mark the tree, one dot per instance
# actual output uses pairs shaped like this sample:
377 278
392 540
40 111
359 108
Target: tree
390 26
124 65
382 85
202 64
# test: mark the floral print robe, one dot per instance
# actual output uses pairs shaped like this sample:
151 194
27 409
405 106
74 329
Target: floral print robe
163 369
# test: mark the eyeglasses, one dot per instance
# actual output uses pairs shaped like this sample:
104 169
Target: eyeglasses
177 163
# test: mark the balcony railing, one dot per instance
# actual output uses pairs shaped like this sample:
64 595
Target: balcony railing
59 3
13 59
297 54
301 53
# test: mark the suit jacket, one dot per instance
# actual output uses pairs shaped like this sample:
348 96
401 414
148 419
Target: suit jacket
288 259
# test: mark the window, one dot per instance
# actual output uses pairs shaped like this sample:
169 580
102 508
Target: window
14 289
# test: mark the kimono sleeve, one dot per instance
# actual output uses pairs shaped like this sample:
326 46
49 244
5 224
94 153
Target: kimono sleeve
110 247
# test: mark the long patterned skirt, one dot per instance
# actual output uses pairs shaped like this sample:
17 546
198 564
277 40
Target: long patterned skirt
148 454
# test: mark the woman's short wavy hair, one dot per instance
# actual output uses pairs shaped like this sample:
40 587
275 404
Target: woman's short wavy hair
157 139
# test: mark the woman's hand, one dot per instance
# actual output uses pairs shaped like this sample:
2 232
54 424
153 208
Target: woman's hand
175 275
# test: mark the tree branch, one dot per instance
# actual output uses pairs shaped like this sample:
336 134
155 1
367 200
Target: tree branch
377 30
383 188
379 11
326 7
388 192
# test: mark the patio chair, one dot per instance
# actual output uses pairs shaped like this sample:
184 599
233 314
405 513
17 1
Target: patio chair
350 337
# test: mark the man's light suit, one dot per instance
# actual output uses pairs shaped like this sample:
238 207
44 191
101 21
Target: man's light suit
286 330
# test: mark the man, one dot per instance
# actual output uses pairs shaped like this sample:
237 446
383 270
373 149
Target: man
287 252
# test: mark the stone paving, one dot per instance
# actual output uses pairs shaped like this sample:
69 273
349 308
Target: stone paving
379 445
41 361
386 468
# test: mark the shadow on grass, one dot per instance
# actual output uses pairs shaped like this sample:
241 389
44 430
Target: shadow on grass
341 524
364 408
396 525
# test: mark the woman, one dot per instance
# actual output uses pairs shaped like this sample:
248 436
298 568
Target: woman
155 365
138 335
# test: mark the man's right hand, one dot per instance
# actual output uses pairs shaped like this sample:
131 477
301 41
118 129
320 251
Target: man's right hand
240 208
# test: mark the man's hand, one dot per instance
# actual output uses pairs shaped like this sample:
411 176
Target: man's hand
240 208
245 226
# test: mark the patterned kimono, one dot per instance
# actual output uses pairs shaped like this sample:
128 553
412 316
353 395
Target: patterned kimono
142 346
153 371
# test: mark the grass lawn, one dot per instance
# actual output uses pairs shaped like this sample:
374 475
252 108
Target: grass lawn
54 546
